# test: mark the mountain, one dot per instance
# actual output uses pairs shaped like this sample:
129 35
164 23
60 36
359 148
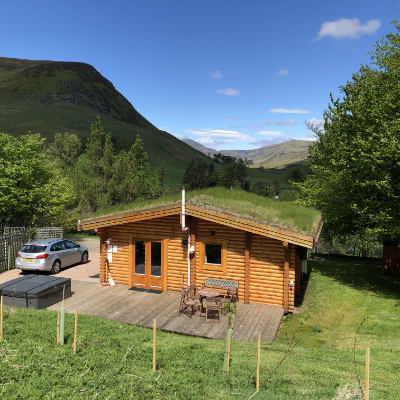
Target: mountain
208 151
272 156
56 96
275 155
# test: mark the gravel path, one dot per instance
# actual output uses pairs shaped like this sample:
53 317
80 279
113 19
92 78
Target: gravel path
78 271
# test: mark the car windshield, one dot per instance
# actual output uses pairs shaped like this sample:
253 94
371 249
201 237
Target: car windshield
33 248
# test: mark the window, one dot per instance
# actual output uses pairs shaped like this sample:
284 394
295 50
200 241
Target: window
213 254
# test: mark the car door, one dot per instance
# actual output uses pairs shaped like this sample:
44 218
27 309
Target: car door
73 253
60 252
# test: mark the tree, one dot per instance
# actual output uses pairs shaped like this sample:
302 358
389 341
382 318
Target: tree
295 175
262 187
103 178
132 177
198 174
235 173
64 149
31 186
355 164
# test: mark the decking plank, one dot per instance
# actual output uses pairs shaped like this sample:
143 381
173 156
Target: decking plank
141 308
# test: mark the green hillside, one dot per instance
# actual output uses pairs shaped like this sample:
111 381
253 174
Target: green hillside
275 155
52 96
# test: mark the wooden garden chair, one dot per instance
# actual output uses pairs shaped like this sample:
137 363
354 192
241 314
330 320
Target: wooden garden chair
194 295
186 305
232 294
213 309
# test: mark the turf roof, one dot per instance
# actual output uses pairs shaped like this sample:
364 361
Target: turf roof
236 203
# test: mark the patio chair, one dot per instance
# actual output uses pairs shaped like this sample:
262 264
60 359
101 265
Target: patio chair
213 309
194 295
232 294
186 305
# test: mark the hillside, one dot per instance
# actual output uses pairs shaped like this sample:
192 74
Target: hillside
55 96
273 156
208 151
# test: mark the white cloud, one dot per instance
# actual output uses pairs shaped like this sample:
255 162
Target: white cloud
267 123
216 74
289 111
282 72
233 119
348 28
271 133
252 126
317 123
228 92
311 136
289 122
218 137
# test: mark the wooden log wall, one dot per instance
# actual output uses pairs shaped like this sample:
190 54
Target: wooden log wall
235 253
162 228
267 264
265 257
298 272
193 239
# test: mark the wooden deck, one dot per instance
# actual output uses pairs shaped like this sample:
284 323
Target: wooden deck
119 303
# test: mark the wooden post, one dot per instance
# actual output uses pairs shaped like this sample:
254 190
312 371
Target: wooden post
1 319
76 330
8 256
367 376
258 362
58 326
154 346
247 268
193 239
286 278
229 350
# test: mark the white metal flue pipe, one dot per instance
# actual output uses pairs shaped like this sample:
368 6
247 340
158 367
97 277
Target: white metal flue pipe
184 229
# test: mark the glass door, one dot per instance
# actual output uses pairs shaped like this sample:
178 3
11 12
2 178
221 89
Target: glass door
147 264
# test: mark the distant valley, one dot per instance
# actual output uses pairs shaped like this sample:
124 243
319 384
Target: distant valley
273 156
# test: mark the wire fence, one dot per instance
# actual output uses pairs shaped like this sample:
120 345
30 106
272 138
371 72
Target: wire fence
10 244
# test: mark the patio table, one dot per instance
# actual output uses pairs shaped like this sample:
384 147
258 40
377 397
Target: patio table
206 293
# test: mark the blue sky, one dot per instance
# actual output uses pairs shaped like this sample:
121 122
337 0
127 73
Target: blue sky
231 74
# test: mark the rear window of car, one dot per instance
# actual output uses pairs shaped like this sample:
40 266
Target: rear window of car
33 248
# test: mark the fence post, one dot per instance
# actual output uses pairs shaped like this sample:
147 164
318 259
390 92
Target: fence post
367 376
8 256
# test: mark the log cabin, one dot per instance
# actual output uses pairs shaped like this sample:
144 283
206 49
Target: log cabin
216 235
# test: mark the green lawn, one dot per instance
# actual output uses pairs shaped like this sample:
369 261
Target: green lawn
114 361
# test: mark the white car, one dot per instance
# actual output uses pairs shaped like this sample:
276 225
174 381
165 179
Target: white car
50 255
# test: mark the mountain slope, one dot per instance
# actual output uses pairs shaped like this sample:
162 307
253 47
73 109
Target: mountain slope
272 156
275 155
208 151
55 96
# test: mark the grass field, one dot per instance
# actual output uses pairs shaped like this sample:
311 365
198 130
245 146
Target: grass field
114 361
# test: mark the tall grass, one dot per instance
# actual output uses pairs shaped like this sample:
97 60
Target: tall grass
114 360
236 203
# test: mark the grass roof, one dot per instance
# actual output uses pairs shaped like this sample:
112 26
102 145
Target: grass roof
237 203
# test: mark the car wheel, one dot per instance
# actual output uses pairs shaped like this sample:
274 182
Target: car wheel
85 258
56 267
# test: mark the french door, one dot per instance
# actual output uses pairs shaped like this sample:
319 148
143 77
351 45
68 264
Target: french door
147 264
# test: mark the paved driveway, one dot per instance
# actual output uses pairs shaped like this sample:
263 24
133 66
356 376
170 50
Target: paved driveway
74 271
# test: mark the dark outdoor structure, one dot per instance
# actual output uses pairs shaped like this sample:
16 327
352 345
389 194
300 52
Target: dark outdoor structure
391 258
35 291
